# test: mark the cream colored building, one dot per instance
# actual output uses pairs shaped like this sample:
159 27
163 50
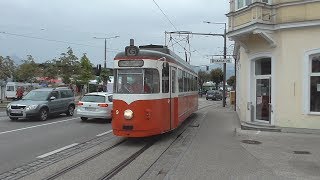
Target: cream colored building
278 65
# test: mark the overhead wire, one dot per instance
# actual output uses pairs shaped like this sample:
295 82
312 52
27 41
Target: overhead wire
57 41
165 15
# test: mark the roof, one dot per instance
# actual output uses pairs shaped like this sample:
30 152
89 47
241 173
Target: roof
99 93
157 51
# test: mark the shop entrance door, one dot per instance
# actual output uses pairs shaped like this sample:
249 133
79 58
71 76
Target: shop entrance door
263 99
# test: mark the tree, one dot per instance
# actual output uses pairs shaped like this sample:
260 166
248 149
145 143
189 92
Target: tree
28 70
216 76
7 67
232 81
68 65
86 70
203 76
50 69
105 77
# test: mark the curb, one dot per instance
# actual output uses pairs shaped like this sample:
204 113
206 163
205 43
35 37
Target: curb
288 130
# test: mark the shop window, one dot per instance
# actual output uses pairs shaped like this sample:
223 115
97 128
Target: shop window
315 84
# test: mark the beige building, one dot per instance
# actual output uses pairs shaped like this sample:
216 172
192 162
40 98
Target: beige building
278 64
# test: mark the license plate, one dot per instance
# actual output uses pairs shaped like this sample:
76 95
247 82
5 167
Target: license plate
90 108
16 111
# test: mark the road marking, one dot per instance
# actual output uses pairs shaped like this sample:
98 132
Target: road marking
58 150
258 132
104 133
15 130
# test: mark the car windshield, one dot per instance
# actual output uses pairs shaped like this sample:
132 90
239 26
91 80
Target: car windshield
94 98
37 95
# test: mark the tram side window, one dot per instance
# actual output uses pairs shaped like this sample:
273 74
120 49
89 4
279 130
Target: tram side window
165 79
173 81
185 82
180 80
151 80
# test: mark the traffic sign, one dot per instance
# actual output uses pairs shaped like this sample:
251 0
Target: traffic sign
227 60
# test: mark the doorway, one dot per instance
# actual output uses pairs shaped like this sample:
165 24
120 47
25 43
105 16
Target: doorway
262 99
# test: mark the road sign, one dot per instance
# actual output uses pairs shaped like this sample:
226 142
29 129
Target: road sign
227 60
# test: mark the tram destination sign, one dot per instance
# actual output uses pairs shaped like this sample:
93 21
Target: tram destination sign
227 60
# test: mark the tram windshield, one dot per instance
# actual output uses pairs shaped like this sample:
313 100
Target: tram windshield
137 81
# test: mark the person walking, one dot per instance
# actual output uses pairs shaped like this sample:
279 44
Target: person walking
19 93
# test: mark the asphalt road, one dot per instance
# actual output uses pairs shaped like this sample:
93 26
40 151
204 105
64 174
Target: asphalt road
23 141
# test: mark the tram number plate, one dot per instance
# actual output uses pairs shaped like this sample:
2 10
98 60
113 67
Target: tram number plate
127 127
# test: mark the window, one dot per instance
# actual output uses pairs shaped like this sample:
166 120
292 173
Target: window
94 98
263 66
173 85
55 94
66 93
315 84
185 81
10 88
110 98
180 80
137 81
165 79
243 3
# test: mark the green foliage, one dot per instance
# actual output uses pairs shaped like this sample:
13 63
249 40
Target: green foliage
68 65
7 67
28 70
203 76
50 69
86 70
232 81
216 76
105 76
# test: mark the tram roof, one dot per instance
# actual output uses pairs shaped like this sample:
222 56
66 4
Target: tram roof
157 51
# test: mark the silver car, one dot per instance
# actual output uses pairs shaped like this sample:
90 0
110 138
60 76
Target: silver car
95 105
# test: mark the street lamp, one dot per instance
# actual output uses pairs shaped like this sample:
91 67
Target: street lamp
105 47
225 57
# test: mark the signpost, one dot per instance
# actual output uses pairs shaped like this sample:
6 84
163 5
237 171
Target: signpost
220 61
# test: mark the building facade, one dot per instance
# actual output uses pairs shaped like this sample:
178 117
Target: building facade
278 61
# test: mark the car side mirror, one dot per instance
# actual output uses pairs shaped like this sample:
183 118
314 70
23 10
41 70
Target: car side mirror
52 98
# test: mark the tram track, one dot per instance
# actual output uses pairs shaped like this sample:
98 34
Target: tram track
124 163
83 161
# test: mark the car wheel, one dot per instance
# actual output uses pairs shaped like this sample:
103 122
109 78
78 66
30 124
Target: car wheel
70 111
13 118
43 114
206 98
84 118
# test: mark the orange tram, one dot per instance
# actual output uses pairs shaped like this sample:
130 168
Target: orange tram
154 91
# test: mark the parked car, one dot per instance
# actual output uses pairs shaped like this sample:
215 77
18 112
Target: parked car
95 105
214 95
40 103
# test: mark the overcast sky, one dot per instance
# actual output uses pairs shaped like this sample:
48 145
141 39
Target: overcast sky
78 21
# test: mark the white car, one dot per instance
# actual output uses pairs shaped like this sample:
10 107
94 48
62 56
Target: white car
95 105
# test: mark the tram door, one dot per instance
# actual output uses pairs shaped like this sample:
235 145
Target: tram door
166 79
173 95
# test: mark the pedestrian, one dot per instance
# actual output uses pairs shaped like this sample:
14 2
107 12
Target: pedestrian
19 93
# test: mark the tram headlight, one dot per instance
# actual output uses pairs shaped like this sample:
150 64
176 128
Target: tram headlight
128 114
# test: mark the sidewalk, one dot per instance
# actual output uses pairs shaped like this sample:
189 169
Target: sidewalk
217 152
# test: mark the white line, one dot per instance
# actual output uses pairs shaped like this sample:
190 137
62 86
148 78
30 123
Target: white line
5 132
258 132
58 150
104 133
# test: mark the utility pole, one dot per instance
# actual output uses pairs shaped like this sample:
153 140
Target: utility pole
105 47
224 64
